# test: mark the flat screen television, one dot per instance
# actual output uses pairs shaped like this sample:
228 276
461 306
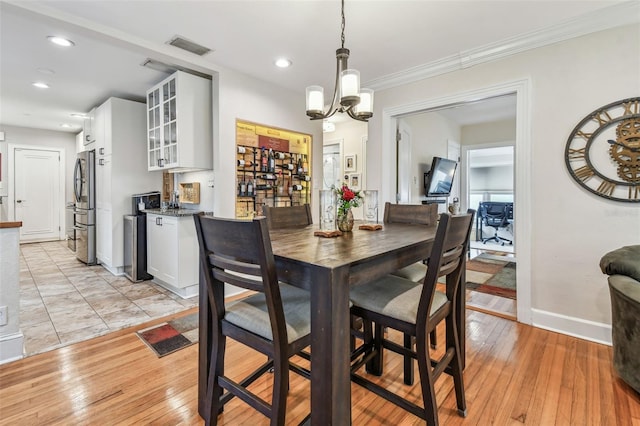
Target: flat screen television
438 180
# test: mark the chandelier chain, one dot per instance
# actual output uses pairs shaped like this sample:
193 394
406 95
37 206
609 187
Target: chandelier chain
342 35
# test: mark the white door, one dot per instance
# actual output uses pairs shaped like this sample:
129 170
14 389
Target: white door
403 191
453 153
331 170
37 194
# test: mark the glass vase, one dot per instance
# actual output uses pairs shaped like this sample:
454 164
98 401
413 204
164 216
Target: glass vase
344 221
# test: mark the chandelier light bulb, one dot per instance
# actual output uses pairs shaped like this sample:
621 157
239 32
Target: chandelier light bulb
315 99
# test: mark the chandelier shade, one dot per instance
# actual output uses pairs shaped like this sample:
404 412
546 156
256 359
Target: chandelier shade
347 95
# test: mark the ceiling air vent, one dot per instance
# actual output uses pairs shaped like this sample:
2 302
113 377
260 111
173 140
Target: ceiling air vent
188 45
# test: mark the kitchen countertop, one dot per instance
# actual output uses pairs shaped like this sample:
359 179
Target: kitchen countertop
173 212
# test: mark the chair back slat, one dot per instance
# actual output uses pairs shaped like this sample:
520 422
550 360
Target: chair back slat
234 265
288 217
238 280
420 214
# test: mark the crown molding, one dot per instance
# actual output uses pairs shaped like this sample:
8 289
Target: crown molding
619 15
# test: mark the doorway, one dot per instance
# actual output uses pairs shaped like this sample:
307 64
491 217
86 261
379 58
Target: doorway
521 89
36 195
331 164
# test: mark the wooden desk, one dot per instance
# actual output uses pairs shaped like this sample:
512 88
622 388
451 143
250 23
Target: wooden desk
327 267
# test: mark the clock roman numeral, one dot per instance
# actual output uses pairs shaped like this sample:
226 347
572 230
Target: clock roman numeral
606 188
634 192
583 135
576 154
602 117
583 173
632 107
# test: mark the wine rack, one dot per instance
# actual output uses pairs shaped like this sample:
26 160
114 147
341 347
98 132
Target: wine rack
269 177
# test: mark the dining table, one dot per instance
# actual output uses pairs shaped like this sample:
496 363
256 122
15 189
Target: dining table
328 268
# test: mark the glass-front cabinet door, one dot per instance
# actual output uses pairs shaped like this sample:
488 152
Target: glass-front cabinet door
170 124
154 126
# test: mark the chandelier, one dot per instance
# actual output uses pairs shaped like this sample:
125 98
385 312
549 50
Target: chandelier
347 95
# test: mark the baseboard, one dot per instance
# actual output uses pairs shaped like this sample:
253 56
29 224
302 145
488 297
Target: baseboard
571 326
184 292
11 347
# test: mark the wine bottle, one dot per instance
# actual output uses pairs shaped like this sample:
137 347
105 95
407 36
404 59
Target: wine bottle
287 166
300 170
241 150
305 164
243 188
243 163
250 189
272 162
264 166
280 155
296 187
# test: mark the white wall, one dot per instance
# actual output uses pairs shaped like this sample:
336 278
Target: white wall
495 131
571 229
496 178
429 135
42 138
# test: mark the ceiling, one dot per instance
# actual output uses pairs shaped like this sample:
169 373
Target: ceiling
113 38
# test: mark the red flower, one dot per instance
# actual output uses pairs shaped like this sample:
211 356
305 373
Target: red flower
347 194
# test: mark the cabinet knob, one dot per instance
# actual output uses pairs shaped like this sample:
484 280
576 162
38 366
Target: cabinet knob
101 162
88 138
101 151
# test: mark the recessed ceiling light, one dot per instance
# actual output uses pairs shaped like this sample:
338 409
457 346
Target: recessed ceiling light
61 41
66 125
45 71
78 115
41 85
283 63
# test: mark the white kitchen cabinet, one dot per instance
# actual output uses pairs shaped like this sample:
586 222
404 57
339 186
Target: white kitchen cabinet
179 132
88 127
172 253
120 172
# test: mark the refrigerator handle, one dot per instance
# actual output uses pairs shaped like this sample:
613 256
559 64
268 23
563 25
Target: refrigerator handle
77 180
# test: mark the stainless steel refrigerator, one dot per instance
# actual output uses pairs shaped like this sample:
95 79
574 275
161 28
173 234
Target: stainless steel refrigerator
84 188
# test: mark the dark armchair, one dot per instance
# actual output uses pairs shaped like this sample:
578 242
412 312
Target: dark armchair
496 215
623 267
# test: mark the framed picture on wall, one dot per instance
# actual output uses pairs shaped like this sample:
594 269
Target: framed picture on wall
354 182
350 163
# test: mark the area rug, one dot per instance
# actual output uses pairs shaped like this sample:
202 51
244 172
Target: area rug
492 274
171 336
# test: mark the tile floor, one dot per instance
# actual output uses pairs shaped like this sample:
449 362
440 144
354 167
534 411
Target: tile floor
64 301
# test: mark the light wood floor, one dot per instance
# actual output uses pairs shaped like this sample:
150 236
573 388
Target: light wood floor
516 374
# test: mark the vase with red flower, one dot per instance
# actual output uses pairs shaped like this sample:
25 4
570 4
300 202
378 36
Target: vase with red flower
347 199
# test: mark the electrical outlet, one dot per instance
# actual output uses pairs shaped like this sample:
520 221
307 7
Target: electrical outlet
3 315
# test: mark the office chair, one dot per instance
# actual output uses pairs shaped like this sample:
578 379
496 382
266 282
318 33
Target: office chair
495 215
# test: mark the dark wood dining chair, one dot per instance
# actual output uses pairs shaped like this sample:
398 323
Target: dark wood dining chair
417 214
274 321
415 310
287 217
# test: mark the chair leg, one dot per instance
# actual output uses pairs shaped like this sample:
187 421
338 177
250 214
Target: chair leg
375 365
433 339
408 361
456 365
426 383
214 391
280 390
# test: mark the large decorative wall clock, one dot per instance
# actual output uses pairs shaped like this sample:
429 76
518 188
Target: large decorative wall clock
603 151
